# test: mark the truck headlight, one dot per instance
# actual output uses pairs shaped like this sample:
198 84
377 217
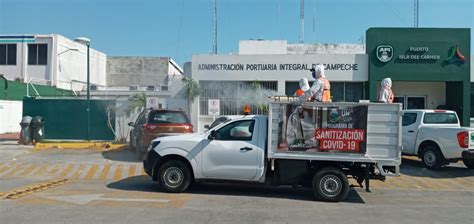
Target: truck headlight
153 145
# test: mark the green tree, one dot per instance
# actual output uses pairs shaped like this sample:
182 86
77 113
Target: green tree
137 103
191 90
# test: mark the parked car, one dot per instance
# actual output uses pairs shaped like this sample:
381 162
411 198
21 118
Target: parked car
151 124
437 137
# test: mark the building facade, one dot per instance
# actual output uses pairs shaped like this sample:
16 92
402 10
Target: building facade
264 68
51 60
429 67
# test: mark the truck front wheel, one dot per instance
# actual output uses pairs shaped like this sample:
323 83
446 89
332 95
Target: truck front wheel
174 176
330 184
432 158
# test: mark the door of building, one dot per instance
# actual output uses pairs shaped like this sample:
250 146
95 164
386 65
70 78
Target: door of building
411 102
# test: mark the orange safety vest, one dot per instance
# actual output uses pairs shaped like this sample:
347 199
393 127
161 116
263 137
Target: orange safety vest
299 92
391 97
326 91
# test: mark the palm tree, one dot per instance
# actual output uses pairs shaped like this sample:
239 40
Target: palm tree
191 90
137 103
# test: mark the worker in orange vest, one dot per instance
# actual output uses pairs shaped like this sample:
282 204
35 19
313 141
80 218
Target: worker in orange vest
321 89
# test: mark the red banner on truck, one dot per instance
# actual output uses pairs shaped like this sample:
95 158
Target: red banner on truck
323 129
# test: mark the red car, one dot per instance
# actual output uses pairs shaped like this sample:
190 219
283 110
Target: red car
151 124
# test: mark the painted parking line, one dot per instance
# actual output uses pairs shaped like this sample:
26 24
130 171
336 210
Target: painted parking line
118 173
121 171
78 172
91 172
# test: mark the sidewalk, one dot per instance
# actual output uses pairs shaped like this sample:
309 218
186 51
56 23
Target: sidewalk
10 136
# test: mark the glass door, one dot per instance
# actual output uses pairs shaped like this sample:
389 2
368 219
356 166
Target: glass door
411 102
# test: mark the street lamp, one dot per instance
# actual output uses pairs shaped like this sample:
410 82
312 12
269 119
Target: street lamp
86 41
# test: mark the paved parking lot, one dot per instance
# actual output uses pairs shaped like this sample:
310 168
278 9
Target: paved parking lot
111 187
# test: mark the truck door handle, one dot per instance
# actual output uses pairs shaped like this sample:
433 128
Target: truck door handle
411 131
245 149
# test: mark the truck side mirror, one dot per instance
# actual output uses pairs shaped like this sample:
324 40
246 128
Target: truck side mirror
131 124
212 136
207 127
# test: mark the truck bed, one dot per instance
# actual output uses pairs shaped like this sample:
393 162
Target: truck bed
383 136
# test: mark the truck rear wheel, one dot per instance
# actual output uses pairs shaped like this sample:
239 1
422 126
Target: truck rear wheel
432 158
469 163
174 176
330 184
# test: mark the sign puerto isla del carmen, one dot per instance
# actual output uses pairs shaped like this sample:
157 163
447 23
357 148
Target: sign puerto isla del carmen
412 54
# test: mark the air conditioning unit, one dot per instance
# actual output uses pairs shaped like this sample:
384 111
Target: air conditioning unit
133 88
164 88
93 88
153 88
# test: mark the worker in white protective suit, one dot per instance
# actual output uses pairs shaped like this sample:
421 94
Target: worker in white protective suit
300 129
320 90
385 94
304 86
294 129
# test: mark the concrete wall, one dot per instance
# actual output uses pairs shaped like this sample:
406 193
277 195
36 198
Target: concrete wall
282 47
40 74
326 49
141 71
262 46
433 91
10 116
66 61
71 64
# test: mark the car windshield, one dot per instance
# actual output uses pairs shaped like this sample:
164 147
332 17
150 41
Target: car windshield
167 117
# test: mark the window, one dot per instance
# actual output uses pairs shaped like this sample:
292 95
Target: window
340 91
7 54
440 118
236 131
168 117
408 119
411 102
234 95
141 119
37 54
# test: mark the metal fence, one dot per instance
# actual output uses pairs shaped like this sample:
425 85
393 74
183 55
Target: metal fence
234 95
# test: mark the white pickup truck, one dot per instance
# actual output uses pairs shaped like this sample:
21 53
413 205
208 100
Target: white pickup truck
312 144
437 137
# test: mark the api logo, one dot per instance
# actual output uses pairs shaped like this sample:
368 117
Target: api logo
384 53
455 56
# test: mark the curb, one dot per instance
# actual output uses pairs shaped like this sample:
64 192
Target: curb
106 146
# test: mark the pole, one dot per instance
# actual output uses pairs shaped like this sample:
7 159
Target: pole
88 95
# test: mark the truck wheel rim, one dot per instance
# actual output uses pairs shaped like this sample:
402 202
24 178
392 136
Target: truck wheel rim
330 185
430 158
173 177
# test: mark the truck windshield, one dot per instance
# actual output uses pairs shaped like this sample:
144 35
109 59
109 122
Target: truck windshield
440 118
